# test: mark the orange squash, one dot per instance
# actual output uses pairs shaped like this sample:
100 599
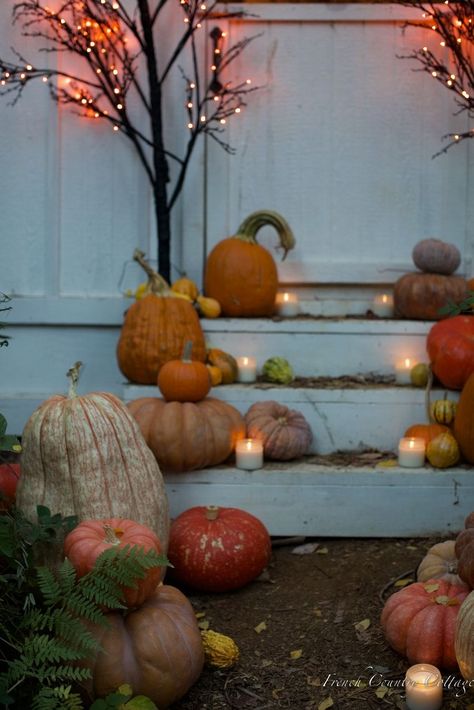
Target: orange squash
426 431
464 422
241 274
155 330
421 296
184 380
226 363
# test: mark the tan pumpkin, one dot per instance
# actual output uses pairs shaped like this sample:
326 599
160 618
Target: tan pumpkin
464 638
241 274
208 307
422 296
285 433
186 287
443 451
188 436
440 562
226 363
155 330
184 380
156 649
436 256
84 455
464 422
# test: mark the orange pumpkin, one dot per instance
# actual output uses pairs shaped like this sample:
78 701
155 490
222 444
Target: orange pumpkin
422 296
426 431
464 422
184 380
241 274
185 436
155 330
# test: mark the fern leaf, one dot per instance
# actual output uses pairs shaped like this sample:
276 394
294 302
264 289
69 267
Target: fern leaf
48 585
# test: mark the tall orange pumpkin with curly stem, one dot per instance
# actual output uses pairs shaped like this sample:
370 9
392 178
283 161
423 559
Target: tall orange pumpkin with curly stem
241 274
155 329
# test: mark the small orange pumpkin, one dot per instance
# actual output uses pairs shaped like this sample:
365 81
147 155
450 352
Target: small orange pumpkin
426 431
184 380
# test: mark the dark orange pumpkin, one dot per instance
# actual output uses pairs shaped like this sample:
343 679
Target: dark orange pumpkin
426 431
184 380
421 296
155 330
464 550
241 274
450 346
464 422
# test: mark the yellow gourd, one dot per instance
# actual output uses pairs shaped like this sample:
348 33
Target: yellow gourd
443 411
208 307
443 451
220 651
215 374
226 363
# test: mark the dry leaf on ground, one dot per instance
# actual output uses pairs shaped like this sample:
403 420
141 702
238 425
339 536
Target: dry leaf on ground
260 627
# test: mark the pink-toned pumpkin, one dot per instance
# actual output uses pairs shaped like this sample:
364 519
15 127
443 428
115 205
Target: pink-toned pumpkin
419 621
285 433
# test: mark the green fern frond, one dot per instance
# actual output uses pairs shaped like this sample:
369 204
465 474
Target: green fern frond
41 648
49 585
57 699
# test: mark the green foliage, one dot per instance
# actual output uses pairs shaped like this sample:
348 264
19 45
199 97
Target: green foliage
123 700
46 614
7 441
455 309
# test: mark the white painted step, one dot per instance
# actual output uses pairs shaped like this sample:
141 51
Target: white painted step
323 346
321 501
340 419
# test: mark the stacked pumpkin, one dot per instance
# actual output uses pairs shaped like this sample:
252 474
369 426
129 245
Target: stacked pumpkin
421 295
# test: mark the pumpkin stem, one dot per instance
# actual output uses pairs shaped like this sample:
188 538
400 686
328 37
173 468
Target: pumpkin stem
187 350
250 226
429 385
112 535
156 283
212 512
73 374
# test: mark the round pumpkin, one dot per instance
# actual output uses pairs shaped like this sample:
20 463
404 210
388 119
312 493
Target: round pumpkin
426 431
450 346
9 476
443 451
464 549
464 644
284 432
184 380
155 329
91 538
215 549
84 455
422 296
436 257
188 436
419 621
464 422
241 274
440 562
156 649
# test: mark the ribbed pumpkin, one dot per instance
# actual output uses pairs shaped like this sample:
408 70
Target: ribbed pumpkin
419 621
155 330
241 274
85 456
440 562
436 256
184 380
450 346
185 436
464 644
464 422
421 296
285 433
443 451
157 649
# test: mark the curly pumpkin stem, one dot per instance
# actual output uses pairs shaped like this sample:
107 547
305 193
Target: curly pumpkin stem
250 226
73 375
428 387
156 283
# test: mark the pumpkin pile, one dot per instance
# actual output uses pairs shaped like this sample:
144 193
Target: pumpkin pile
421 295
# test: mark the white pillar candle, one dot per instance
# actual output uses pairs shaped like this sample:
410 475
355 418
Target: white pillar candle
247 369
403 370
411 452
249 454
423 687
287 304
382 305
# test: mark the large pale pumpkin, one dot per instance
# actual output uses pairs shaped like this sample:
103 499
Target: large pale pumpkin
464 643
241 274
85 456
157 649
464 421
155 330
185 436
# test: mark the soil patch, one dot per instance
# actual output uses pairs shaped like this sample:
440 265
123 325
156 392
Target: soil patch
296 628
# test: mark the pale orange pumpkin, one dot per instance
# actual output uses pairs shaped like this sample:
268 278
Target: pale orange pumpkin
184 380
285 433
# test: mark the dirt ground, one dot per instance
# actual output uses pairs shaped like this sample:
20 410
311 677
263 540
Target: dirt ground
296 630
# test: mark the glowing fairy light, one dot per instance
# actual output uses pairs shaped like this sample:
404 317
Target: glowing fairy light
116 128
29 67
465 94
190 125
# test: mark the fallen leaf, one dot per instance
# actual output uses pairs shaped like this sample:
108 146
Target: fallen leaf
305 549
431 588
203 624
317 612
275 692
389 463
322 551
328 703
260 627
296 654
200 614
381 692
362 625
266 662
315 682
403 582
411 547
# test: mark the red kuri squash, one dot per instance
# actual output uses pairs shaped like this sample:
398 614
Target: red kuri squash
450 346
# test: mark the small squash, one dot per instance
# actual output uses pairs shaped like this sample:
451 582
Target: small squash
226 363
464 422
241 274
215 373
277 369
436 256
422 296
443 451
285 433
184 380
443 411
426 431
186 287
440 562
208 307
220 651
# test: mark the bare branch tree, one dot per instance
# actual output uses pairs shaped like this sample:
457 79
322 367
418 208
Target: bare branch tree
101 34
452 65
